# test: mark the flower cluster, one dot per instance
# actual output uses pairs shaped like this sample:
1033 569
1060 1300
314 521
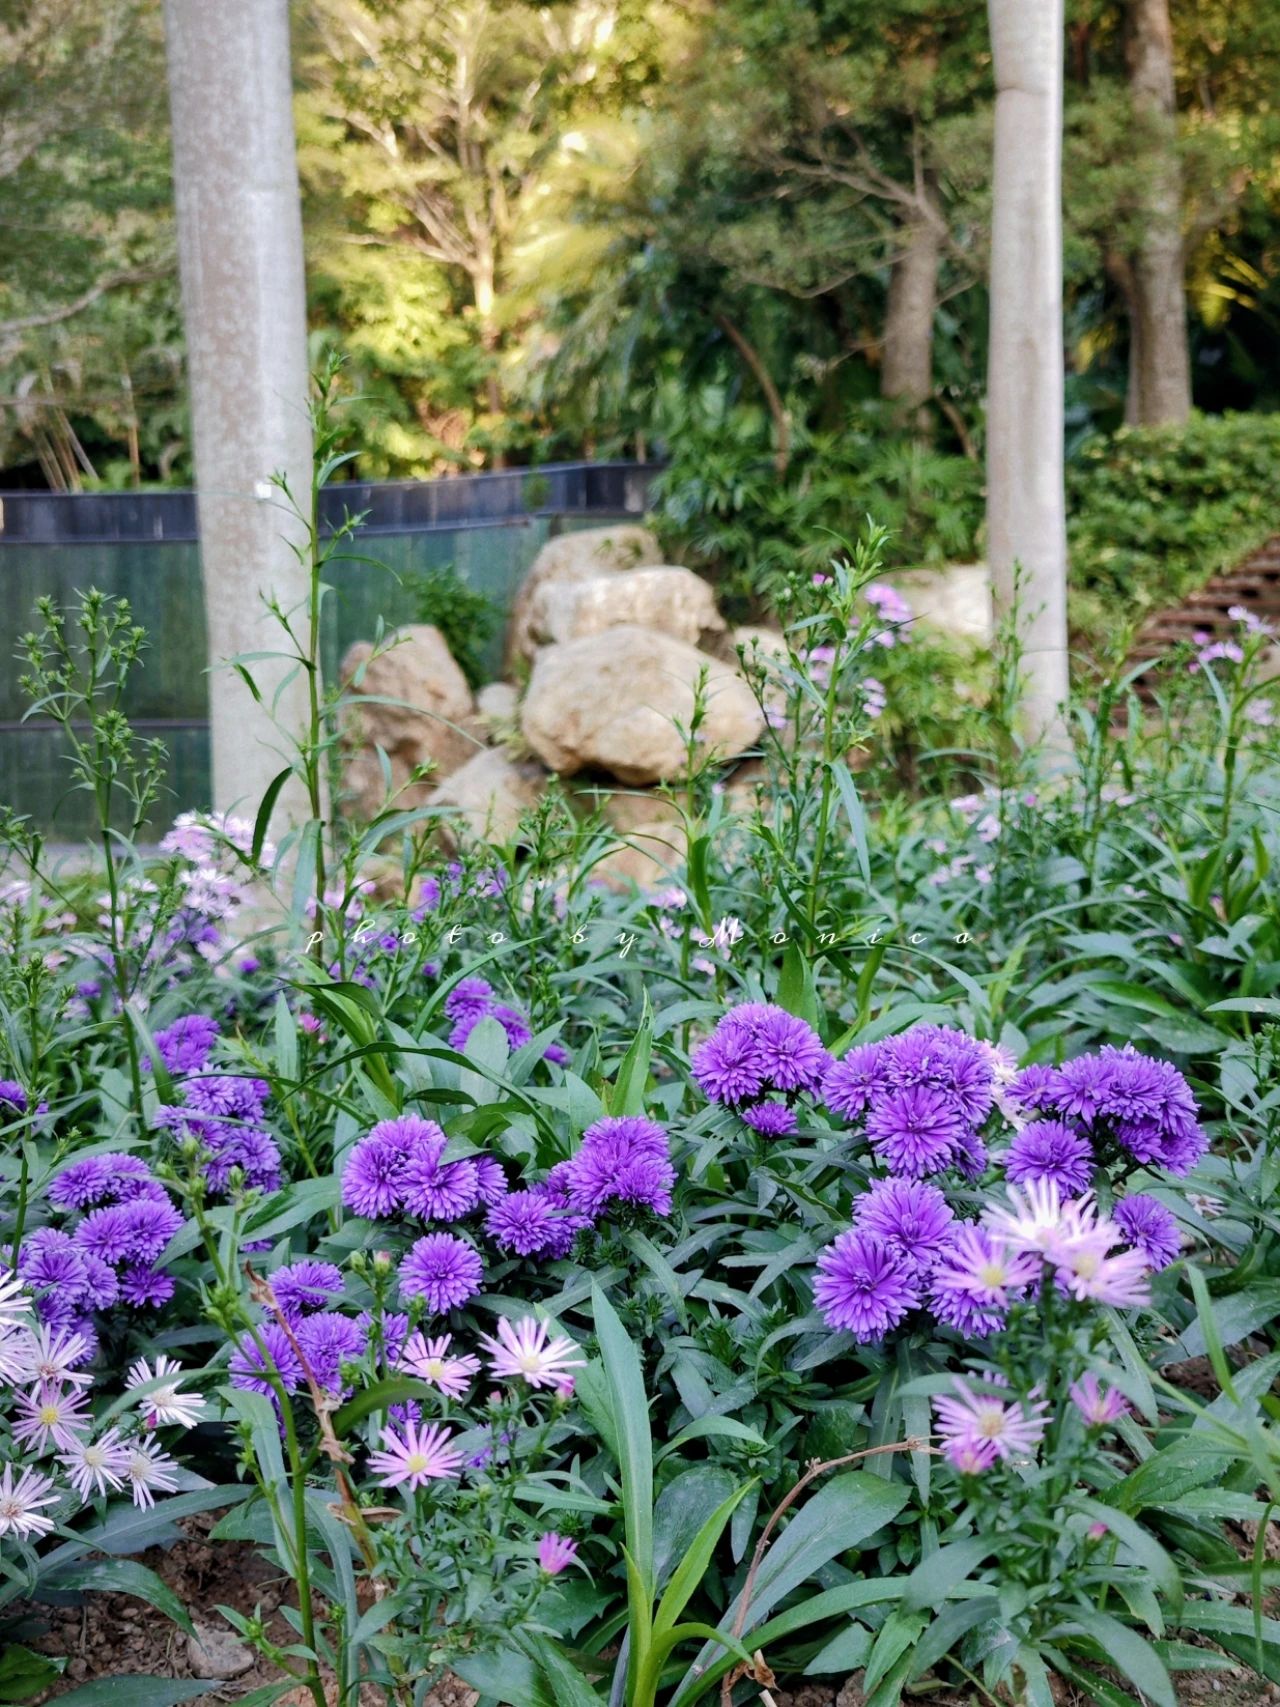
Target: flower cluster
623 1163
758 1049
224 1114
399 1169
1116 1097
472 1000
921 1098
907 1250
119 1220
65 1463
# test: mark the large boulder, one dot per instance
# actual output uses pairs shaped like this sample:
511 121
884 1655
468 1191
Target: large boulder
427 725
611 701
581 556
665 598
488 796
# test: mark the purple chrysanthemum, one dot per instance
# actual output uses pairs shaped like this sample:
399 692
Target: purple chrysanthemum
1148 1227
621 1158
248 1366
144 1286
186 1045
852 1083
962 1311
523 1222
791 1052
442 1269
491 1180
438 1190
944 1060
1050 1149
915 1131
82 1184
757 1047
863 1286
1035 1089
301 1287
107 1233
151 1223
13 1099
770 1119
912 1218
327 1342
372 1177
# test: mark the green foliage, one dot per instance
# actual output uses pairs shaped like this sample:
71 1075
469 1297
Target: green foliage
1156 511
465 617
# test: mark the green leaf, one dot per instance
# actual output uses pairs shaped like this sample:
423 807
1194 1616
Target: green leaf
139 1691
569 1687
629 1410
1128 1652
118 1576
510 1676
693 1567
1146 1550
934 1578
24 1673
633 1075
946 1630
845 1512
394 1390
683 1506
262 822
844 1653
796 991
125 1529
898 1633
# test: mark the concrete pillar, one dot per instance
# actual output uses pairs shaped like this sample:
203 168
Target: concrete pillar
244 306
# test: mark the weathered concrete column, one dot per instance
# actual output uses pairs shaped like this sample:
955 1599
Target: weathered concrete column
1026 506
243 296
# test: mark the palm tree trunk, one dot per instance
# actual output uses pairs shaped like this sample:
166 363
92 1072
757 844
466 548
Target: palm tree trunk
244 309
1159 364
1026 507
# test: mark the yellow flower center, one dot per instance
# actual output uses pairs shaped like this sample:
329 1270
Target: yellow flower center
992 1274
416 1462
991 1421
1086 1264
49 1414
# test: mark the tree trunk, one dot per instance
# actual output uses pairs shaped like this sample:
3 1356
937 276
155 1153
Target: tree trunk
906 355
244 309
1026 506
1159 364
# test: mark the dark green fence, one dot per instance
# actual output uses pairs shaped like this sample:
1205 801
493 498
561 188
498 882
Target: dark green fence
488 528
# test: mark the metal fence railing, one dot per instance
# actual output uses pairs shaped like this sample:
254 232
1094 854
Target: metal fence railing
143 546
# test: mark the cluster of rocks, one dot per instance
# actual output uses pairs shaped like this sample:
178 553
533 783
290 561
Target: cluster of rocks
613 643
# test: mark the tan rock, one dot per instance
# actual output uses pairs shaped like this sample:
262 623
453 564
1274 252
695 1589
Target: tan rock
498 706
216 1651
422 727
611 702
581 556
489 794
649 857
957 599
665 598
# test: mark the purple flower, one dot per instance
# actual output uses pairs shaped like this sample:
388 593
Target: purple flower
248 1367
439 1191
444 1270
491 1180
327 1342
13 1099
623 1158
915 1131
102 1285
523 1222
770 1119
185 1046
960 1310
372 1175
82 1184
791 1052
1148 1227
556 1553
758 1047
852 1083
1035 1089
945 1060
107 1233
913 1219
303 1286
727 1065
863 1285
142 1285
151 1223
50 1259
1049 1149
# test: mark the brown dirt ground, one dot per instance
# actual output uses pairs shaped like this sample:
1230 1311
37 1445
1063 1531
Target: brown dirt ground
112 1634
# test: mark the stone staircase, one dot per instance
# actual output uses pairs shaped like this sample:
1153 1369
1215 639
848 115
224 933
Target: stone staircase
1255 584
